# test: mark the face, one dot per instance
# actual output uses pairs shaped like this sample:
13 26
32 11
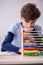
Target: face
29 25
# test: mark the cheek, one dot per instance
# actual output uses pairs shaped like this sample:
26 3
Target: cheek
32 24
28 25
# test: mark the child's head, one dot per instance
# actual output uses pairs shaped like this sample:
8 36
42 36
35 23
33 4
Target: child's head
29 14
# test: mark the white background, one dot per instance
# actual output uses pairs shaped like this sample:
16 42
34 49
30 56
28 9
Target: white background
10 12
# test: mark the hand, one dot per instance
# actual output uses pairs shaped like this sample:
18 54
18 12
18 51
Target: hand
20 50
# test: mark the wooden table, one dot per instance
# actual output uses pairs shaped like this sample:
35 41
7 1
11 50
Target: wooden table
11 58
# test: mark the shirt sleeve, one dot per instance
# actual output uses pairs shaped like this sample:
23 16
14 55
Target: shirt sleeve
13 29
6 45
38 28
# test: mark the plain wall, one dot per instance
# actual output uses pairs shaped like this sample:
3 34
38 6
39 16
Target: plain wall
10 12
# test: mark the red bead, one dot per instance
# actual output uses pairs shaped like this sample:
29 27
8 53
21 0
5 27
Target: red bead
24 39
31 41
31 48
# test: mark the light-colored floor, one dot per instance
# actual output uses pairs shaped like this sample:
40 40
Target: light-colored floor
11 58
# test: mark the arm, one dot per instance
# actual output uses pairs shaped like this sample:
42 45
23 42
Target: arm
6 45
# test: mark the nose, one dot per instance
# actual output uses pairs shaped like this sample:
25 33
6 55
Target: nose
28 25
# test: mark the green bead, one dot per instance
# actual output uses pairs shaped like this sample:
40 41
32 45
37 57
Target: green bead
30 38
42 41
40 54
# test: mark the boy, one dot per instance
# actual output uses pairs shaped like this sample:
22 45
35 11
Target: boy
29 14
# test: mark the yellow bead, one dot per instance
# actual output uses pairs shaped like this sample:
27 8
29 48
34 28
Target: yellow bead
26 33
30 51
42 38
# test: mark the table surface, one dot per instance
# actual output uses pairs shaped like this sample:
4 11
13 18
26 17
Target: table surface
11 58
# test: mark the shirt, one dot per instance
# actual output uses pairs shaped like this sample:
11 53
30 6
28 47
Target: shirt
13 39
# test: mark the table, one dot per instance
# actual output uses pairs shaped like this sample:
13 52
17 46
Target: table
11 58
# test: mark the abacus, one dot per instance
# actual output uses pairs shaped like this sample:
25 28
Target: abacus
32 43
